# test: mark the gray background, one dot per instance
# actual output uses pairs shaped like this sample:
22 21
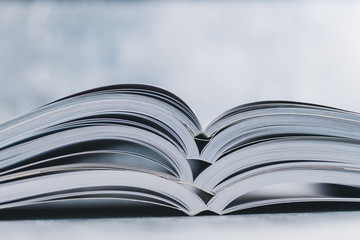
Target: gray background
213 54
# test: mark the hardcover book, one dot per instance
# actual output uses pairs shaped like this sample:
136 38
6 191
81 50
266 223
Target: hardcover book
132 143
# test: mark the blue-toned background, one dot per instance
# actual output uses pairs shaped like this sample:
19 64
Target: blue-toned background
213 54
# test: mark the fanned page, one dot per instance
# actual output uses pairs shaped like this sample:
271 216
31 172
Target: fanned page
138 143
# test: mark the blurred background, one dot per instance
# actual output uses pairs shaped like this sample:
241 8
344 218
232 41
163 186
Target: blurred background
213 54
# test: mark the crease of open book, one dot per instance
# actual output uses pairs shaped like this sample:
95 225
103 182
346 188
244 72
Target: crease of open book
136 143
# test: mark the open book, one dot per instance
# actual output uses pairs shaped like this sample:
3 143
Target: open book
127 143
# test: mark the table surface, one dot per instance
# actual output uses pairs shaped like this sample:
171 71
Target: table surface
326 225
